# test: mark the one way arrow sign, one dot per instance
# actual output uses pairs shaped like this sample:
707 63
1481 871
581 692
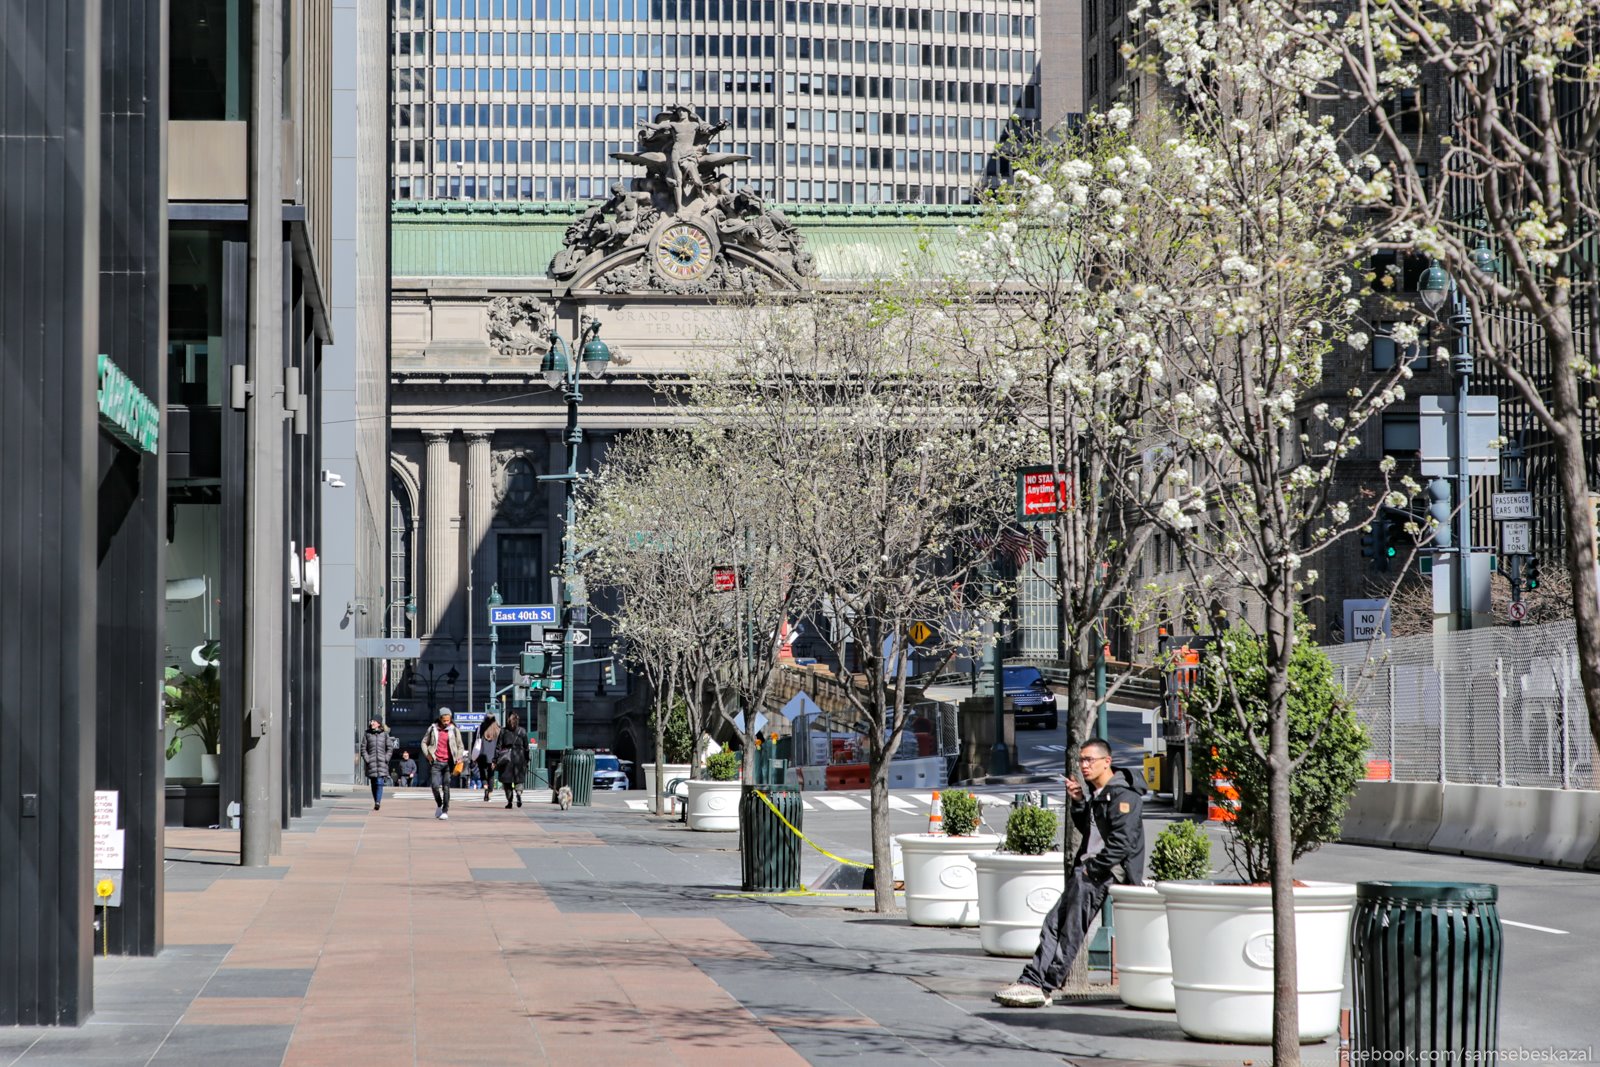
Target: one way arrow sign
579 637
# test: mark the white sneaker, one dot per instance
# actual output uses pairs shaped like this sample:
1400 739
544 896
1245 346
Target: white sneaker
444 815
438 811
1022 995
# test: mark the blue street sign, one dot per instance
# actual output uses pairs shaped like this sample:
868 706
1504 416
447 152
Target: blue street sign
523 615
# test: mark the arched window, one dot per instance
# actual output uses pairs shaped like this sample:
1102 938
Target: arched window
402 609
522 485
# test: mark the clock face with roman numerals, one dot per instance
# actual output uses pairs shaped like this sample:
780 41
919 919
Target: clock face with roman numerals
683 252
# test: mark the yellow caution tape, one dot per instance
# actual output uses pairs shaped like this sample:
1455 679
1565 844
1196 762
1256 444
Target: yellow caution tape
840 859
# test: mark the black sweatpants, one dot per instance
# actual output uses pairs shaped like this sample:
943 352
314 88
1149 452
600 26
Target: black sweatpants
1064 931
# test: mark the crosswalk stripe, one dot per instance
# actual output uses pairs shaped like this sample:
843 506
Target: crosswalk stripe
839 803
639 805
900 803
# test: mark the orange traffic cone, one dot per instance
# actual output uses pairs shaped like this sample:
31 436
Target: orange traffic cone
936 815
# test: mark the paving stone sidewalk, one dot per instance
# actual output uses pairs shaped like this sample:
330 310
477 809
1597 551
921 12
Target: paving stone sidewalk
535 936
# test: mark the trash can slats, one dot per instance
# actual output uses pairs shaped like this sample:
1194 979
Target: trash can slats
1426 958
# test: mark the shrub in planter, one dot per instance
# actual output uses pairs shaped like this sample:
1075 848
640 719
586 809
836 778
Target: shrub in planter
723 766
959 810
1031 831
1323 734
677 740
1180 852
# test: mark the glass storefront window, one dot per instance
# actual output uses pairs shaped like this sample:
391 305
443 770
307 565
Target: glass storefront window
209 64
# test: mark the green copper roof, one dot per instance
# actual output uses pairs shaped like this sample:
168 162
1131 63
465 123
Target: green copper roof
510 240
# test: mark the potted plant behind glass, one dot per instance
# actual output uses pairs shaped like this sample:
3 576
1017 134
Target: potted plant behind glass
194 706
1181 852
713 801
1018 885
941 881
1221 934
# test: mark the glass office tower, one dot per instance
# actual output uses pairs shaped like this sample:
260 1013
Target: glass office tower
842 103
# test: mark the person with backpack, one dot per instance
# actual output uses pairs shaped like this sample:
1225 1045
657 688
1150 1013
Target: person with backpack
511 758
445 753
1111 850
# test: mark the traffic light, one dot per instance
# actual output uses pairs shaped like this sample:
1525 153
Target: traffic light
1439 513
1377 542
609 671
1369 545
533 663
1390 531
1530 573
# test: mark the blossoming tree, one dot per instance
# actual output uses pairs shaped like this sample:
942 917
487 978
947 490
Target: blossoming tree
1238 343
1517 178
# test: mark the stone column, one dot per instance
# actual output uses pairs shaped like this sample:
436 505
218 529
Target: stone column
436 513
480 511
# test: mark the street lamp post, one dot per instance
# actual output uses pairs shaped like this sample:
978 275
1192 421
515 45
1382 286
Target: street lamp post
1435 288
562 371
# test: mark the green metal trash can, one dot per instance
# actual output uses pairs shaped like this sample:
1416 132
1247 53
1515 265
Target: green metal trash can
577 772
769 852
1426 971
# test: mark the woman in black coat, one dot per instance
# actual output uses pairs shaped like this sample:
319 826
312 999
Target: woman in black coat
377 748
511 757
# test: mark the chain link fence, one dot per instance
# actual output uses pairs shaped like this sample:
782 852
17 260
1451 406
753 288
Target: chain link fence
1501 706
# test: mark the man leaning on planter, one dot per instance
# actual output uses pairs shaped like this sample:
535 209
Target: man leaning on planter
1111 849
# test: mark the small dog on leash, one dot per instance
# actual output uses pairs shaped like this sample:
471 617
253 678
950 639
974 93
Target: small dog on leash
564 797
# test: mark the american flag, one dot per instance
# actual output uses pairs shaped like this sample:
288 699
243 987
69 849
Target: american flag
1014 545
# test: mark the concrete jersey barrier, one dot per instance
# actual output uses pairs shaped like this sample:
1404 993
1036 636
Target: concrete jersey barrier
1554 827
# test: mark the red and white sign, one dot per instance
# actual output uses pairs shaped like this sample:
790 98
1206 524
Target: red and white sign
724 579
1517 611
1042 492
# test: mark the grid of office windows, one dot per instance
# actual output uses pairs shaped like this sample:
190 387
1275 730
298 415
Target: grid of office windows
833 102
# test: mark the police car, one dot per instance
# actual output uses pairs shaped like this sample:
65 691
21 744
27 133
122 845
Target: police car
608 772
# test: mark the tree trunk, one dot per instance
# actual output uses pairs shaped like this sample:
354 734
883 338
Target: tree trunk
1285 976
1080 727
1578 518
882 852
661 767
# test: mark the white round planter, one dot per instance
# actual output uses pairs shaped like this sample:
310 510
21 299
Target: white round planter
941 882
1144 963
1015 893
1220 937
713 805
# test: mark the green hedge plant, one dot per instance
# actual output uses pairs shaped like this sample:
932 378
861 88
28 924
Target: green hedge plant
677 740
959 809
1182 851
1324 737
723 766
1031 831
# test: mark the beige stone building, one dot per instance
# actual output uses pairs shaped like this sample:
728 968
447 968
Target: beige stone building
476 289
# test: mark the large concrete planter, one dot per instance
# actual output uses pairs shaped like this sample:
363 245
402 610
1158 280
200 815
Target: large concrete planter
941 882
1015 893
1221 942
713 805
671 770
1144 962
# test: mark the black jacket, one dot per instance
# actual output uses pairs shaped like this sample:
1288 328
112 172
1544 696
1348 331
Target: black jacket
1118 811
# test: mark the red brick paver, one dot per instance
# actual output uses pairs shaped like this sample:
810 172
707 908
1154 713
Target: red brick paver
413 962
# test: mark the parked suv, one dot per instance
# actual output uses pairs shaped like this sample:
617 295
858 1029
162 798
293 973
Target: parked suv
1032 700
608 772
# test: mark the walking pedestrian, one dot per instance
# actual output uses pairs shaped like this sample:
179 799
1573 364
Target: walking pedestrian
1111 850
408 768
445 754
377 746
484 749
511 758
